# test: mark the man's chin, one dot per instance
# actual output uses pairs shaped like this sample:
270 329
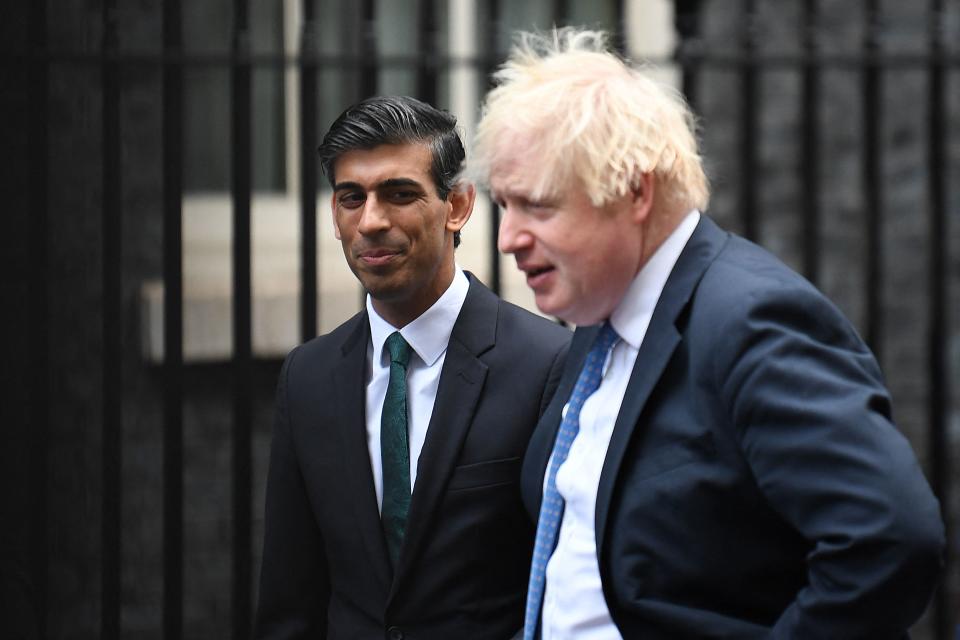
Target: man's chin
569 313
550 307
385 291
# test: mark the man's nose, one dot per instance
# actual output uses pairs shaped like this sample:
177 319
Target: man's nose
512 236
374 218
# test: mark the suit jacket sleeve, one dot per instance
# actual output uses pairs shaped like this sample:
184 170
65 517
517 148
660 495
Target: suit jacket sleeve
813 418
294 582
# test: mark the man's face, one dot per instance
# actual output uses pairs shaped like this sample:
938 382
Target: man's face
397 234
579 259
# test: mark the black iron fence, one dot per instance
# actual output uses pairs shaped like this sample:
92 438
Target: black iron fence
697 57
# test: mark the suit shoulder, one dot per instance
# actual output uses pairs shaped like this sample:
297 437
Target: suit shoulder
322 347
745 277
536 331
747 287
743 267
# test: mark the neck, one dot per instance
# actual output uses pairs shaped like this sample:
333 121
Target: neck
404 309
662 222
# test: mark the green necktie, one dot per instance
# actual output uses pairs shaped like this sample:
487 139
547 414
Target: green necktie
394 449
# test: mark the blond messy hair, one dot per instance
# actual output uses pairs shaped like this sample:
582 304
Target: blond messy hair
587 116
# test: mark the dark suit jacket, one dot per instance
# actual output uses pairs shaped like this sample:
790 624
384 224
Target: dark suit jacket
462 572
754 486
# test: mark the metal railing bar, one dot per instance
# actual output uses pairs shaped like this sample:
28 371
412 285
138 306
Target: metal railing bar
368 62
369 69
810 147
872 168
308 175
112 384
938 335
488 64
39 316
241 183
700 55
561 12
620 31
426 79
749 121
687 52
172 329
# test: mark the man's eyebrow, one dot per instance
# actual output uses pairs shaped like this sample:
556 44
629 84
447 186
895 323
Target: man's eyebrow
341 186
399 182
386 184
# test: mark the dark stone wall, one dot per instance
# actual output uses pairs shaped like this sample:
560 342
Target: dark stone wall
20 343
64 574
52 447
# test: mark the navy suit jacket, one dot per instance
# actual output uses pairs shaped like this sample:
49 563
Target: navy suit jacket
755 485
462 571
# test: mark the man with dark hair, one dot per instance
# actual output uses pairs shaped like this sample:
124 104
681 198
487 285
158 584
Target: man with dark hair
398 120
392 505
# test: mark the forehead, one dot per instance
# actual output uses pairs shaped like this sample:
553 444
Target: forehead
513 174
517 169
369 167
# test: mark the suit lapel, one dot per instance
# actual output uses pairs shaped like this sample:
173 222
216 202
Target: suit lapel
461 381
541 444
658 345
350 384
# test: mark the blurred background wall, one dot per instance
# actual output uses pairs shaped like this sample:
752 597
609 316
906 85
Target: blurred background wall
166 239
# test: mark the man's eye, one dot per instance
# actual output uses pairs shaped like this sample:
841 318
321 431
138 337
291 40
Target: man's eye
403 196
350 200
539 208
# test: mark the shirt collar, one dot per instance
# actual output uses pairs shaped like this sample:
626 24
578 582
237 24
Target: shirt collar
428 334
632 316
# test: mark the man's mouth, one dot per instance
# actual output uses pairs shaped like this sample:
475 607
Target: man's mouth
538 275
377 257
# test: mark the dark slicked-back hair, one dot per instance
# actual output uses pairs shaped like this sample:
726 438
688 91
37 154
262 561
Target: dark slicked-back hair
397 120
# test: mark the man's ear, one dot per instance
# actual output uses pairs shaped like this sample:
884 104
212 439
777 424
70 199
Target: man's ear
642 193
333 215
460 199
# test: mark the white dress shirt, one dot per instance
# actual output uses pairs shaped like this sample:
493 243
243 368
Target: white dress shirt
428 336
573 603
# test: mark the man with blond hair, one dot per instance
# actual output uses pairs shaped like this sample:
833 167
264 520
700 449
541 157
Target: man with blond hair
719 460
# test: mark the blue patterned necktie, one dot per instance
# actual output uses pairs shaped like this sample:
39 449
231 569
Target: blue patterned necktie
394 448
551 508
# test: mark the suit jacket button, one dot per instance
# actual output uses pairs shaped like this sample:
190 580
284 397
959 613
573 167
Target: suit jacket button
394 633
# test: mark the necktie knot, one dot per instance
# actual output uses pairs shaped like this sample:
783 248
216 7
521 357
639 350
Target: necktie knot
605 339
398 348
